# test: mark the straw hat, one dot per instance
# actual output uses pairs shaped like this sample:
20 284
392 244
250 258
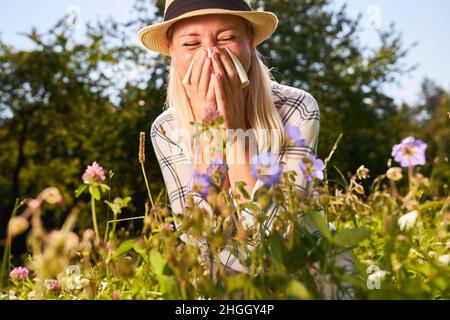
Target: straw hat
154 38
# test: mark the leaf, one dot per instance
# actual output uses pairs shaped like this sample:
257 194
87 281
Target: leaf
241 187
94 192
157 262
297 290
139 249
124 247
80 190
321 223
125 201
169 286
104 187
276 246
112 206
249 205
350 237
297 256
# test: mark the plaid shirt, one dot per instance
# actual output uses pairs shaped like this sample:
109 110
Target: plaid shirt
296 107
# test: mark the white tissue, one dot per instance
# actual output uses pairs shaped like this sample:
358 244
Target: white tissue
240 69
188 73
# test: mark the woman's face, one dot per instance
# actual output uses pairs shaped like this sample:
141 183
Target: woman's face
202 32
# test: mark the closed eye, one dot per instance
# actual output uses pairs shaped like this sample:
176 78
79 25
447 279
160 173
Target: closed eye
190 44
228 38
196 43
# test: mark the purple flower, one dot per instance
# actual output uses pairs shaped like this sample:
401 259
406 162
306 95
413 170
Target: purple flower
294 136
201 183
217 171
312 167
93 173
265 166
410 152
19 273
217 166
211 113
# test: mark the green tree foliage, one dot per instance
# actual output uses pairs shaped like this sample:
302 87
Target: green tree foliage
430 121
62 108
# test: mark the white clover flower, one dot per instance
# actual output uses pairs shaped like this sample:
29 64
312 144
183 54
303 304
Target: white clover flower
378 275
408 220
74 280
12 295
445 259
31 295
102 286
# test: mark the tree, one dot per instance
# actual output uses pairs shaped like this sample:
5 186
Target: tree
61 107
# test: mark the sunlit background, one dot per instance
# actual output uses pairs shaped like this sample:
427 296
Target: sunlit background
423 22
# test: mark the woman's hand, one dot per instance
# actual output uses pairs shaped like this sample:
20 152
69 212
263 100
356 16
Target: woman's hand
231 99
200 89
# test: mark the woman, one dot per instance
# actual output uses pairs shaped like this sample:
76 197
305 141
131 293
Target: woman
189 29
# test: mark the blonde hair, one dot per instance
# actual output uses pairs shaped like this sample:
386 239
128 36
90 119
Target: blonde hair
261 113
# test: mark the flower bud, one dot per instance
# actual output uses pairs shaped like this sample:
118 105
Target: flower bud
115 295
362 173
51 195
17 225
394 174
359 188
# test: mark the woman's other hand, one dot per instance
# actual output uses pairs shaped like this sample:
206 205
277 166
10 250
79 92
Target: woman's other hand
200 87
231 99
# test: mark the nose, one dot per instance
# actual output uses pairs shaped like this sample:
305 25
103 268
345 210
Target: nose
213 46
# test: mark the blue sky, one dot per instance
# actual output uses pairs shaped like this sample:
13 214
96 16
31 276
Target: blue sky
423 21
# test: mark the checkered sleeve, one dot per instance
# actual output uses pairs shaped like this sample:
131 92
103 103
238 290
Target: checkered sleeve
172 165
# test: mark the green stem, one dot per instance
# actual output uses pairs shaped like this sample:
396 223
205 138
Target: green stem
410 178
5 260
146 184
126 219
113 230
107 212
94 219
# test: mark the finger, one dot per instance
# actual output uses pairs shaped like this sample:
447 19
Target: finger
229 67
205 75
220 96
188 75
221 74
211 95
197 69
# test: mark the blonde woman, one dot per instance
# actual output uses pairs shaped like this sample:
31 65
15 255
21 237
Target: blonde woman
198 36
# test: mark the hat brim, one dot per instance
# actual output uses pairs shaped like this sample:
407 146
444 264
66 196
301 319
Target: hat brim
153 37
